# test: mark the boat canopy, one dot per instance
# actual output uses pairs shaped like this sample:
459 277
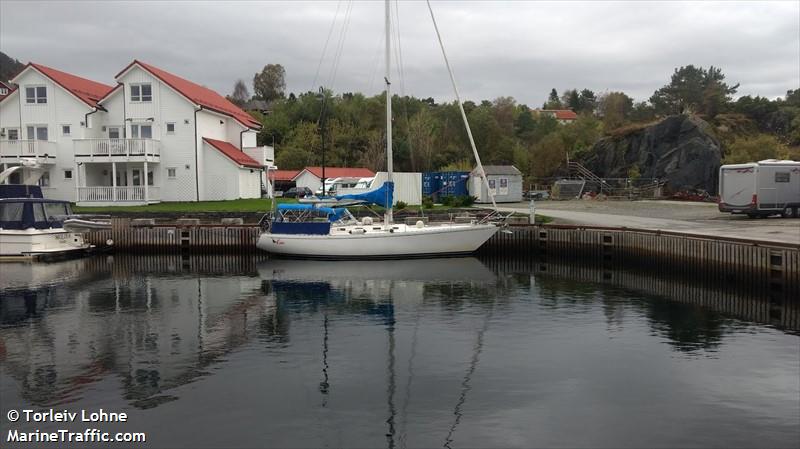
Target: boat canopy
20 191
332 213
36 213
381 196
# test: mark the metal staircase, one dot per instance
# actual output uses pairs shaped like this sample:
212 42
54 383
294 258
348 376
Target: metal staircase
651 189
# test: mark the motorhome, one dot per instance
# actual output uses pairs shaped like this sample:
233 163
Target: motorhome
768 187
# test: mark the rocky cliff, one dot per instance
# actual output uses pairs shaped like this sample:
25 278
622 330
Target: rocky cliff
680 150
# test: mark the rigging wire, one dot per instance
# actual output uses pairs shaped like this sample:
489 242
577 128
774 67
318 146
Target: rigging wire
340 47
325 47
461 107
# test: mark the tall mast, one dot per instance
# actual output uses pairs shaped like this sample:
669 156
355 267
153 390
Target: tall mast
389 166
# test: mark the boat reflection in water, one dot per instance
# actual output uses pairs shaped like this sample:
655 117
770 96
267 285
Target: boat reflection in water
444 352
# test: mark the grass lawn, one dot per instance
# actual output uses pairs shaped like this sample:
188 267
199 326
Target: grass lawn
242 205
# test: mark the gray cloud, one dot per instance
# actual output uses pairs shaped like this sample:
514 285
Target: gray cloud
521 49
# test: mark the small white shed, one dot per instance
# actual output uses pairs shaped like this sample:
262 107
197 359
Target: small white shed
505 181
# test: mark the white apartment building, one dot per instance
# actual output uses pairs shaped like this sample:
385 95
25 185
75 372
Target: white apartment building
153 137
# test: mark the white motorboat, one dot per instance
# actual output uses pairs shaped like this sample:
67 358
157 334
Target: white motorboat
319 230
32 226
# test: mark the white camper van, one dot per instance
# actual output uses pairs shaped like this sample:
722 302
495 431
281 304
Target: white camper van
762 188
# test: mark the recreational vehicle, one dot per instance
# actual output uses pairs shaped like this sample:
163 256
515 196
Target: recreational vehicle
764 188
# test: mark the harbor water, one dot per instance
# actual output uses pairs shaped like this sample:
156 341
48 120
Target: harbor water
246 351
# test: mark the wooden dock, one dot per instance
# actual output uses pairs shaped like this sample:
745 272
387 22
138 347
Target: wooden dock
773 263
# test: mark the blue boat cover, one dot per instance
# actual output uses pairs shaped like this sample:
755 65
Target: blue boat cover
302 227
20 191
382 196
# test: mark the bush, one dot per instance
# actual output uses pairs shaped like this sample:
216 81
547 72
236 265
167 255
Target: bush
427 202
400 205
459 201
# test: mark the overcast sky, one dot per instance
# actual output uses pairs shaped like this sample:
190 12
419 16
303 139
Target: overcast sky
521 49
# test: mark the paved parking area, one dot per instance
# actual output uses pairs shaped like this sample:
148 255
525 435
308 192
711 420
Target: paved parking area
677 216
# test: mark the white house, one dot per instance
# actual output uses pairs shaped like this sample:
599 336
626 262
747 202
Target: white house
311 177
153 137
562 116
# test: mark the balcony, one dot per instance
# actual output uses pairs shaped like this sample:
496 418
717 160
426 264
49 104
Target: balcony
117 150
118 196
12 151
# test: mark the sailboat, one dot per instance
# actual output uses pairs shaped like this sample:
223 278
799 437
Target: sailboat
324 229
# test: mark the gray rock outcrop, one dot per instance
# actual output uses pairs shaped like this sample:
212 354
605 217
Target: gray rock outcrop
680 150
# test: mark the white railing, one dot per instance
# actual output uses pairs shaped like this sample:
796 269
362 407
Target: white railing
27 148
146 148
107 194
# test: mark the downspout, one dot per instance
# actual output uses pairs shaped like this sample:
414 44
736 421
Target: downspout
124 114
196 168
86 117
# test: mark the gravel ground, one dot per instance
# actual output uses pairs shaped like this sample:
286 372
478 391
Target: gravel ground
676 210
678 216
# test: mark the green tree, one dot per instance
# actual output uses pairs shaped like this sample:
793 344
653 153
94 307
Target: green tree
642 111
548 155
270 83
553 102
587 102
301 148
571 99
757 148
688 88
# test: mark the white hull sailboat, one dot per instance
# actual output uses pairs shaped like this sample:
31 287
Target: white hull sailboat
341 238
368 242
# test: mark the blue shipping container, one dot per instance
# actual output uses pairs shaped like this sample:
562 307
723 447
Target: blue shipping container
454 183
431 183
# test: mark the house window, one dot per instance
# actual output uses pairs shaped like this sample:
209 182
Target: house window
113 133
44 181
13 134
782 176
65 130
150 181
37 132
3 91
141 93
67 174
142 131
171 173
170 128
35 94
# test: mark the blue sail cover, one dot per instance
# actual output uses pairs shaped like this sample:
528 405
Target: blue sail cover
382 196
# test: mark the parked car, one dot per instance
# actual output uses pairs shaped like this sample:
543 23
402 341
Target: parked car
298 192
537 195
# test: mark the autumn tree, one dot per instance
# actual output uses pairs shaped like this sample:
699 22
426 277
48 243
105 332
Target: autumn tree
615 108
270 83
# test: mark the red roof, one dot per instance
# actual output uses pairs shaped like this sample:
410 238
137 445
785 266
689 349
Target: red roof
87 90
200 95
233 153
562 114
339 172
10 88
283 175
